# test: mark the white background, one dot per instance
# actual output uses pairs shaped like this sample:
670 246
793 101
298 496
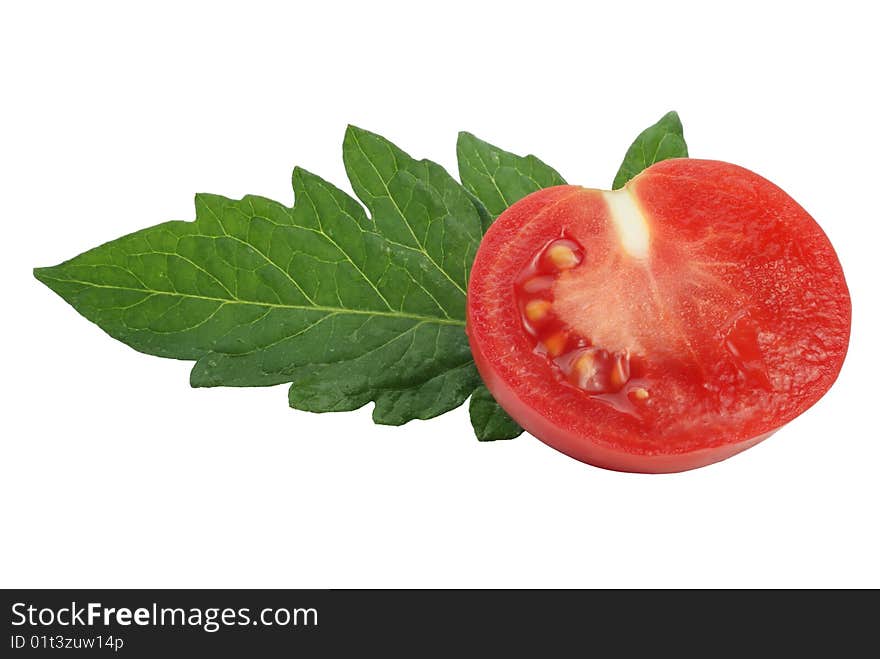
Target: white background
116 474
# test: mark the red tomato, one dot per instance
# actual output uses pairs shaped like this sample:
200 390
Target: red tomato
663 326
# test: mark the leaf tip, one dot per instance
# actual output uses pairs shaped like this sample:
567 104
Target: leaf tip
355 137
301 175
48 276
297 175
673 120
200 375
355 131
44 274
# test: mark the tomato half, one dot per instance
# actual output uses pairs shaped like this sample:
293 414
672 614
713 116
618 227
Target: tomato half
660 327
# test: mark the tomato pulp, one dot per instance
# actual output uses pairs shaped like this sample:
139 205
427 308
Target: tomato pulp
663 326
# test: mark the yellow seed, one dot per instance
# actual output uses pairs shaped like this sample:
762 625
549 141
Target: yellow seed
562 256
640 394
537 309
585 365
585 368
555 344
620 372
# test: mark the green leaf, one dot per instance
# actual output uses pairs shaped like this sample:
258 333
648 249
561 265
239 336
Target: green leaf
489 420
498 178
347 308
662 141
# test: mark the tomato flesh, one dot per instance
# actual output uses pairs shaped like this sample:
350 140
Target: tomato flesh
663 326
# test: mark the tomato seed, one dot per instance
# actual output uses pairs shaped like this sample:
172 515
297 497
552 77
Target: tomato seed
536 310
620 370
562 255
555 343
640 393
585 365
586 370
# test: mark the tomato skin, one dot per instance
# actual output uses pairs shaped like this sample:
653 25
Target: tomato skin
676 195
596 454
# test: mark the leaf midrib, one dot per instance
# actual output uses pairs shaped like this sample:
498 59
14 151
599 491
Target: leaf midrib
274 305
491 176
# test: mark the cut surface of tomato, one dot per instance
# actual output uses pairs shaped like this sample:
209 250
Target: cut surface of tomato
663 326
